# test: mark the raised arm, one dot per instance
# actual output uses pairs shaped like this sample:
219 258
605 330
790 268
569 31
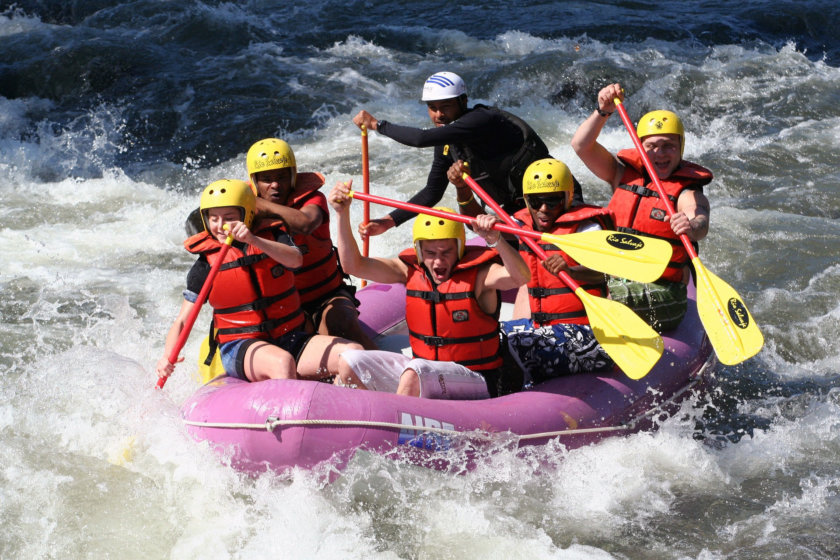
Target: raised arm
386 271
596 157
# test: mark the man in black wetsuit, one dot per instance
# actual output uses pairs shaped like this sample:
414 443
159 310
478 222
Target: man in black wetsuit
496 145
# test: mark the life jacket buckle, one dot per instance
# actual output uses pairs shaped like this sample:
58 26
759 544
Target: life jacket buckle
434 340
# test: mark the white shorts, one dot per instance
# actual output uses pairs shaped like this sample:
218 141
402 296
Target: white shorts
381 371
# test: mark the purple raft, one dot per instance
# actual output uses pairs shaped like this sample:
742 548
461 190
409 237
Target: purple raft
280 424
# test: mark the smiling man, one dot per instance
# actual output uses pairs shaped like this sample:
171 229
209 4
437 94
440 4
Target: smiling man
496 145
638 209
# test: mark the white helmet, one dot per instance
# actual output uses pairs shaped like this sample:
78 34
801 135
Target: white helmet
443 85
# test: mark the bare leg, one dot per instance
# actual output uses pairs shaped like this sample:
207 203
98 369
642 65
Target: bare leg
340 318
320 359
409 383
346 376
267 361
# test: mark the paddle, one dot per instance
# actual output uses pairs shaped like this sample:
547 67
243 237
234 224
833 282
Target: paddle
215 368
610 252
366 189
611 322
202 296
732 331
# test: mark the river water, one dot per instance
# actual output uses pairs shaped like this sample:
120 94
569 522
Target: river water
113 117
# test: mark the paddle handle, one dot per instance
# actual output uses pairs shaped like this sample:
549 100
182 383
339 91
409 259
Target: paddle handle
440 213
199 302
365 189
637 142
488 200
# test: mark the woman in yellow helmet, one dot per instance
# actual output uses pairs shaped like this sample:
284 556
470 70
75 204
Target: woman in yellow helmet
257 315
637 208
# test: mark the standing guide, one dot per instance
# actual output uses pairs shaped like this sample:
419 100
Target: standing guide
497 146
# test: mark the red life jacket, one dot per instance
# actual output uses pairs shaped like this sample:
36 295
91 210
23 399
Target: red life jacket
253 296
445 322
320 272
639 210
552 301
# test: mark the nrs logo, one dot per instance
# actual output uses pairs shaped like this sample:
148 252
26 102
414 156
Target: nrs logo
416 437
460 316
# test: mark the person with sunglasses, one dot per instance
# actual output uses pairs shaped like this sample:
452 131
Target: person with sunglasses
552 336
638 209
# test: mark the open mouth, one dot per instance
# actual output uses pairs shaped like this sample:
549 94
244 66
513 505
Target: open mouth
544 221
439 272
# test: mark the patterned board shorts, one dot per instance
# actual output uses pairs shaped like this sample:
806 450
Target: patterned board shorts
551 351
661 304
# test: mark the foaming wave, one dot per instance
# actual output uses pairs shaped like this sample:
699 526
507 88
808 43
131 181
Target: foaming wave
14 21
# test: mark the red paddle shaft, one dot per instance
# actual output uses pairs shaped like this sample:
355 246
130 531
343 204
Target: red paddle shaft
365 186
441 214
488 200
190 321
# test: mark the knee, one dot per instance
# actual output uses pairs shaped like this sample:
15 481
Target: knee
346 376
353 346
409 383
286 367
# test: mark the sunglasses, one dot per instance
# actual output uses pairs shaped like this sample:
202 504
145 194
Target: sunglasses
551 202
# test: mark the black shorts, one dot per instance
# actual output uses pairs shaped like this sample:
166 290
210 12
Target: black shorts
293 342
315 309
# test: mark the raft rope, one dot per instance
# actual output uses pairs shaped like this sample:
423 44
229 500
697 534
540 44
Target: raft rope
272 422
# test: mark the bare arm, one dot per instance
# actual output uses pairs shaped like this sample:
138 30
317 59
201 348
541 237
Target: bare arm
386 271
596 157
692 215
163 367
305 221
580 274
288 256
467 203
513 272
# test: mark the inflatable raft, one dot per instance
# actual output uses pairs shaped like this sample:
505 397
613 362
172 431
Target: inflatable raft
280 424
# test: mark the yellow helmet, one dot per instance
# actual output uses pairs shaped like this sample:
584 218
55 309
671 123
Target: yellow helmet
431 227
548 176
661 122
229 192
268 154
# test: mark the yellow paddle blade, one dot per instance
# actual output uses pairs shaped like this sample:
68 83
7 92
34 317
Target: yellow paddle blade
731 329
632 344
637 258
215 369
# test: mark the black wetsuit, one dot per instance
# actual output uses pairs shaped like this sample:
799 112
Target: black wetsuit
497 145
